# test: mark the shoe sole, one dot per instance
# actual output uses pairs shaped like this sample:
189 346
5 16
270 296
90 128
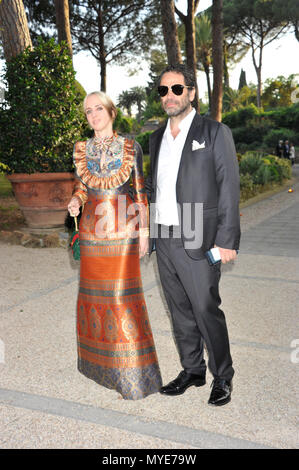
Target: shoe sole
195 384
220 403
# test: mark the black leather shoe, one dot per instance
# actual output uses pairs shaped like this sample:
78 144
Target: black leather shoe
221 392
184 380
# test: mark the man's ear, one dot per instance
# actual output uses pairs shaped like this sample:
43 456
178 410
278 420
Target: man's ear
191 95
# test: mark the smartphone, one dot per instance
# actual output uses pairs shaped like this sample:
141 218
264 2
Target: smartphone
213 256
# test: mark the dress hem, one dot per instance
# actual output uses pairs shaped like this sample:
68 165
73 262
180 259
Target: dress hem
125 395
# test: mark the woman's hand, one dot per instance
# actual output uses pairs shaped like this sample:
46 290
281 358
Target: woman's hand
74 207
143 246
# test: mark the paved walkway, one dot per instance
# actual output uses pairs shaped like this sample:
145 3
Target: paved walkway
46 403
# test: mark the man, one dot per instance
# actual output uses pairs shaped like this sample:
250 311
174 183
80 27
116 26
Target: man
279 149
286 149
194 181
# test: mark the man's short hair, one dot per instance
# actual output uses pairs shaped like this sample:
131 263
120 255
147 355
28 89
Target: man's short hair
186 71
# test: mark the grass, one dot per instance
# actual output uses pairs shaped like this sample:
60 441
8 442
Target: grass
5 187
11 217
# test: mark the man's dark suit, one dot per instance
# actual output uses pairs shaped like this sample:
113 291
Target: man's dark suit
208 175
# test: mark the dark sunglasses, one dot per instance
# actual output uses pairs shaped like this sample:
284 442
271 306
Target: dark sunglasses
176 89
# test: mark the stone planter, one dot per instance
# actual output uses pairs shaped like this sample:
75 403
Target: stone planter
43 197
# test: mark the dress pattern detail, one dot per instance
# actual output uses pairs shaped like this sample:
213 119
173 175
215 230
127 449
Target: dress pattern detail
115 342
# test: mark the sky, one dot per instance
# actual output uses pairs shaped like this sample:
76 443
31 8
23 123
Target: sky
280 58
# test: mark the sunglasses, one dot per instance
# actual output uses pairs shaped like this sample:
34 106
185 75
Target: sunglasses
176 89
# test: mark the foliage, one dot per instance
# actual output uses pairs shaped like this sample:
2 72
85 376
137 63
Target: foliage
264 168
143 140
233 100
278 92
240 117
153 108
256 25
114 31
123 124
254 128
286 117
247 188
41 113
203 47
134 96
289 11
146 165
274 135
41 19
259 171
242 80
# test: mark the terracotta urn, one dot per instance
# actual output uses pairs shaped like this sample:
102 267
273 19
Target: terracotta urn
43 197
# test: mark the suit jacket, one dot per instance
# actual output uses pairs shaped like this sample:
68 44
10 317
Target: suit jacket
208 175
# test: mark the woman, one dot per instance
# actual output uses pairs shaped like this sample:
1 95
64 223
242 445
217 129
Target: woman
115 343
292 154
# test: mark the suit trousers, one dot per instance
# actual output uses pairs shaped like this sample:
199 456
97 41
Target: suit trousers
191 289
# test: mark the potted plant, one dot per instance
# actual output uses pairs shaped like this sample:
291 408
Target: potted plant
40 121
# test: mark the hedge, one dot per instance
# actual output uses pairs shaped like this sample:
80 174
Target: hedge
254 129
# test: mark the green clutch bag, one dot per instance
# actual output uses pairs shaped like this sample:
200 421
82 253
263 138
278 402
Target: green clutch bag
75 242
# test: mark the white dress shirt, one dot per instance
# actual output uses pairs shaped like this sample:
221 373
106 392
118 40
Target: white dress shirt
168 167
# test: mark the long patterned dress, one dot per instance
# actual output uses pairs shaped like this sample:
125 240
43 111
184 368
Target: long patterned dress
115 342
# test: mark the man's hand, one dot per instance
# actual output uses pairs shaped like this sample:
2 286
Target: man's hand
143 246
226 254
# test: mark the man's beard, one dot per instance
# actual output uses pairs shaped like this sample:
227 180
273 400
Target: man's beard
177 111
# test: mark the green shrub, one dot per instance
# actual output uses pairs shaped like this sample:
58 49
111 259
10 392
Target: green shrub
153 109
254 128
241 117
264 168
274 135
40 117
286 117
146 168
143 140
247 188
122 123
250 164
248 135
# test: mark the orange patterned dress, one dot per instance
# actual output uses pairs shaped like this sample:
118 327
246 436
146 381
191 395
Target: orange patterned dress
115 341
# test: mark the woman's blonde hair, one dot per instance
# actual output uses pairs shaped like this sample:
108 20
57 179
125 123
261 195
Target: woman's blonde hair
106 102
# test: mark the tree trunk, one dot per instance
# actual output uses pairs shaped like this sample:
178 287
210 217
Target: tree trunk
170 33
188 21
217 54
190 36
103 63
225 67
259 87
296 29
63 23
258 70
207 72
14 28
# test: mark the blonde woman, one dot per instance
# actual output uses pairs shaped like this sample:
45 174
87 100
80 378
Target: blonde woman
115 342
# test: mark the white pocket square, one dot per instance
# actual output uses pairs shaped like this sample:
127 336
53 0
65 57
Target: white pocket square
196 145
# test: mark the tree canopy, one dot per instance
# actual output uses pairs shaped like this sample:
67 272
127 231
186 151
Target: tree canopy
257 25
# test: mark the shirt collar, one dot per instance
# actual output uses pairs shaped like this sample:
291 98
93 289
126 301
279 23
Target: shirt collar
185 124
